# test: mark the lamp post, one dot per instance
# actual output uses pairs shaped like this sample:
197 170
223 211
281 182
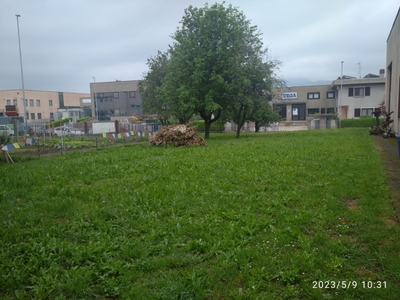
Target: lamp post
95 99
22 75
341 96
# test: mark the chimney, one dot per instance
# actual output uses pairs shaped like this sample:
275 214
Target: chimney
382 73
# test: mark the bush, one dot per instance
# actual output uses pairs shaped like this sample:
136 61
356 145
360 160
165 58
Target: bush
58 122
361 122
82 119
216 126
4 139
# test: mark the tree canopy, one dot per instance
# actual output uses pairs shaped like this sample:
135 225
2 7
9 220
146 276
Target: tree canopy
216 66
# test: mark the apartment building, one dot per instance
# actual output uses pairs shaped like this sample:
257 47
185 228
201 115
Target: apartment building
41 106
393 73
359 96
116 98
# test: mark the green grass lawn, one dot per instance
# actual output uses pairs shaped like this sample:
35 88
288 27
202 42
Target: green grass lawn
274 215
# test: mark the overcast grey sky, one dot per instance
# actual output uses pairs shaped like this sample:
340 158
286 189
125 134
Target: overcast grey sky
65 43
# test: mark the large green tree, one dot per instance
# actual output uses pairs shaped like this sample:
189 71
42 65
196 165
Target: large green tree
210 51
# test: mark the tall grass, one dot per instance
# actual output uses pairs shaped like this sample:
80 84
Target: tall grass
265 216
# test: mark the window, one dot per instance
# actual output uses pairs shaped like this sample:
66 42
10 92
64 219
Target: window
312 111
15 102
312 95
37 102
132 94
116 95
330 110
359 91
330 95
8 102
50 102
51 116
323 110
30 102
367 111
32 115
39 116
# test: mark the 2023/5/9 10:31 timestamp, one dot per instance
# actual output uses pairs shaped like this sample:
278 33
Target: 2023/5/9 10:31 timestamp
348 284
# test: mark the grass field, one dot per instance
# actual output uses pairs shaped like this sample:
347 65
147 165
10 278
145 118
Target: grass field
286 215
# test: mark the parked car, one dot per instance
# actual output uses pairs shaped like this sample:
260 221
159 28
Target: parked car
61 131
75 131
5 130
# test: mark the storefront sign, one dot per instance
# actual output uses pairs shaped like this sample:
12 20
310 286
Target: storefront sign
289 95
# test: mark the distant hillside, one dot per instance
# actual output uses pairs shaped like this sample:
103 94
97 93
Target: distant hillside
305 81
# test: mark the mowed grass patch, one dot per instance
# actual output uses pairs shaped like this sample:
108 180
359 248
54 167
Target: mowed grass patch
263 216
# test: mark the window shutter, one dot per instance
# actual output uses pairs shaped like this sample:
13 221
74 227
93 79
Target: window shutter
357 112
367 91
350 92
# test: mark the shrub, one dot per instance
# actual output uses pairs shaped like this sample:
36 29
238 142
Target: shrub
58 122
216 126
361 122
82 119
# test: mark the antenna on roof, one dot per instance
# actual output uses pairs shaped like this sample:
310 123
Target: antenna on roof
359 69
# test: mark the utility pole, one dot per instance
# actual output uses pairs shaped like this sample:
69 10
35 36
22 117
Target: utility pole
22 77
95 100
341 96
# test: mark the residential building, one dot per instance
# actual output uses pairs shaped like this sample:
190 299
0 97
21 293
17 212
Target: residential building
359 96
41 106
116 98
393 73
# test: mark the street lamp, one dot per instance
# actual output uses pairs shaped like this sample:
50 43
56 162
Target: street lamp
22 75
95 99
341 96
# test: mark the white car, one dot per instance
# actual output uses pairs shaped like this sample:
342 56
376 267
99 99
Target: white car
75 131
61 131
5 130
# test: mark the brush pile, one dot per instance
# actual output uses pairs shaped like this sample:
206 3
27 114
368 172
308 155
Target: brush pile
177 135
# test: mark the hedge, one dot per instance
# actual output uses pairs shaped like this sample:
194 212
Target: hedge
361 122
216 126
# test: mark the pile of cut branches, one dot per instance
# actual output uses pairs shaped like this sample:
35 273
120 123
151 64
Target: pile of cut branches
177 135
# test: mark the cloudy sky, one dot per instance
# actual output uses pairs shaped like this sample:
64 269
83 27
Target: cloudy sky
65 43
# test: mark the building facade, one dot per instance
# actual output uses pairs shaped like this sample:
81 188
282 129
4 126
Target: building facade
304 103
116 98
359 97
393 73
41 106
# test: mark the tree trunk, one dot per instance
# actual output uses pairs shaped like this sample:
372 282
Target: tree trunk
208 122
238 131
207 126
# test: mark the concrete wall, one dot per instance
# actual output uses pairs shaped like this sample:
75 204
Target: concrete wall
393 73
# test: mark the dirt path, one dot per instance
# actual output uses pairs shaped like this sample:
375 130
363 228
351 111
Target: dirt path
388 150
